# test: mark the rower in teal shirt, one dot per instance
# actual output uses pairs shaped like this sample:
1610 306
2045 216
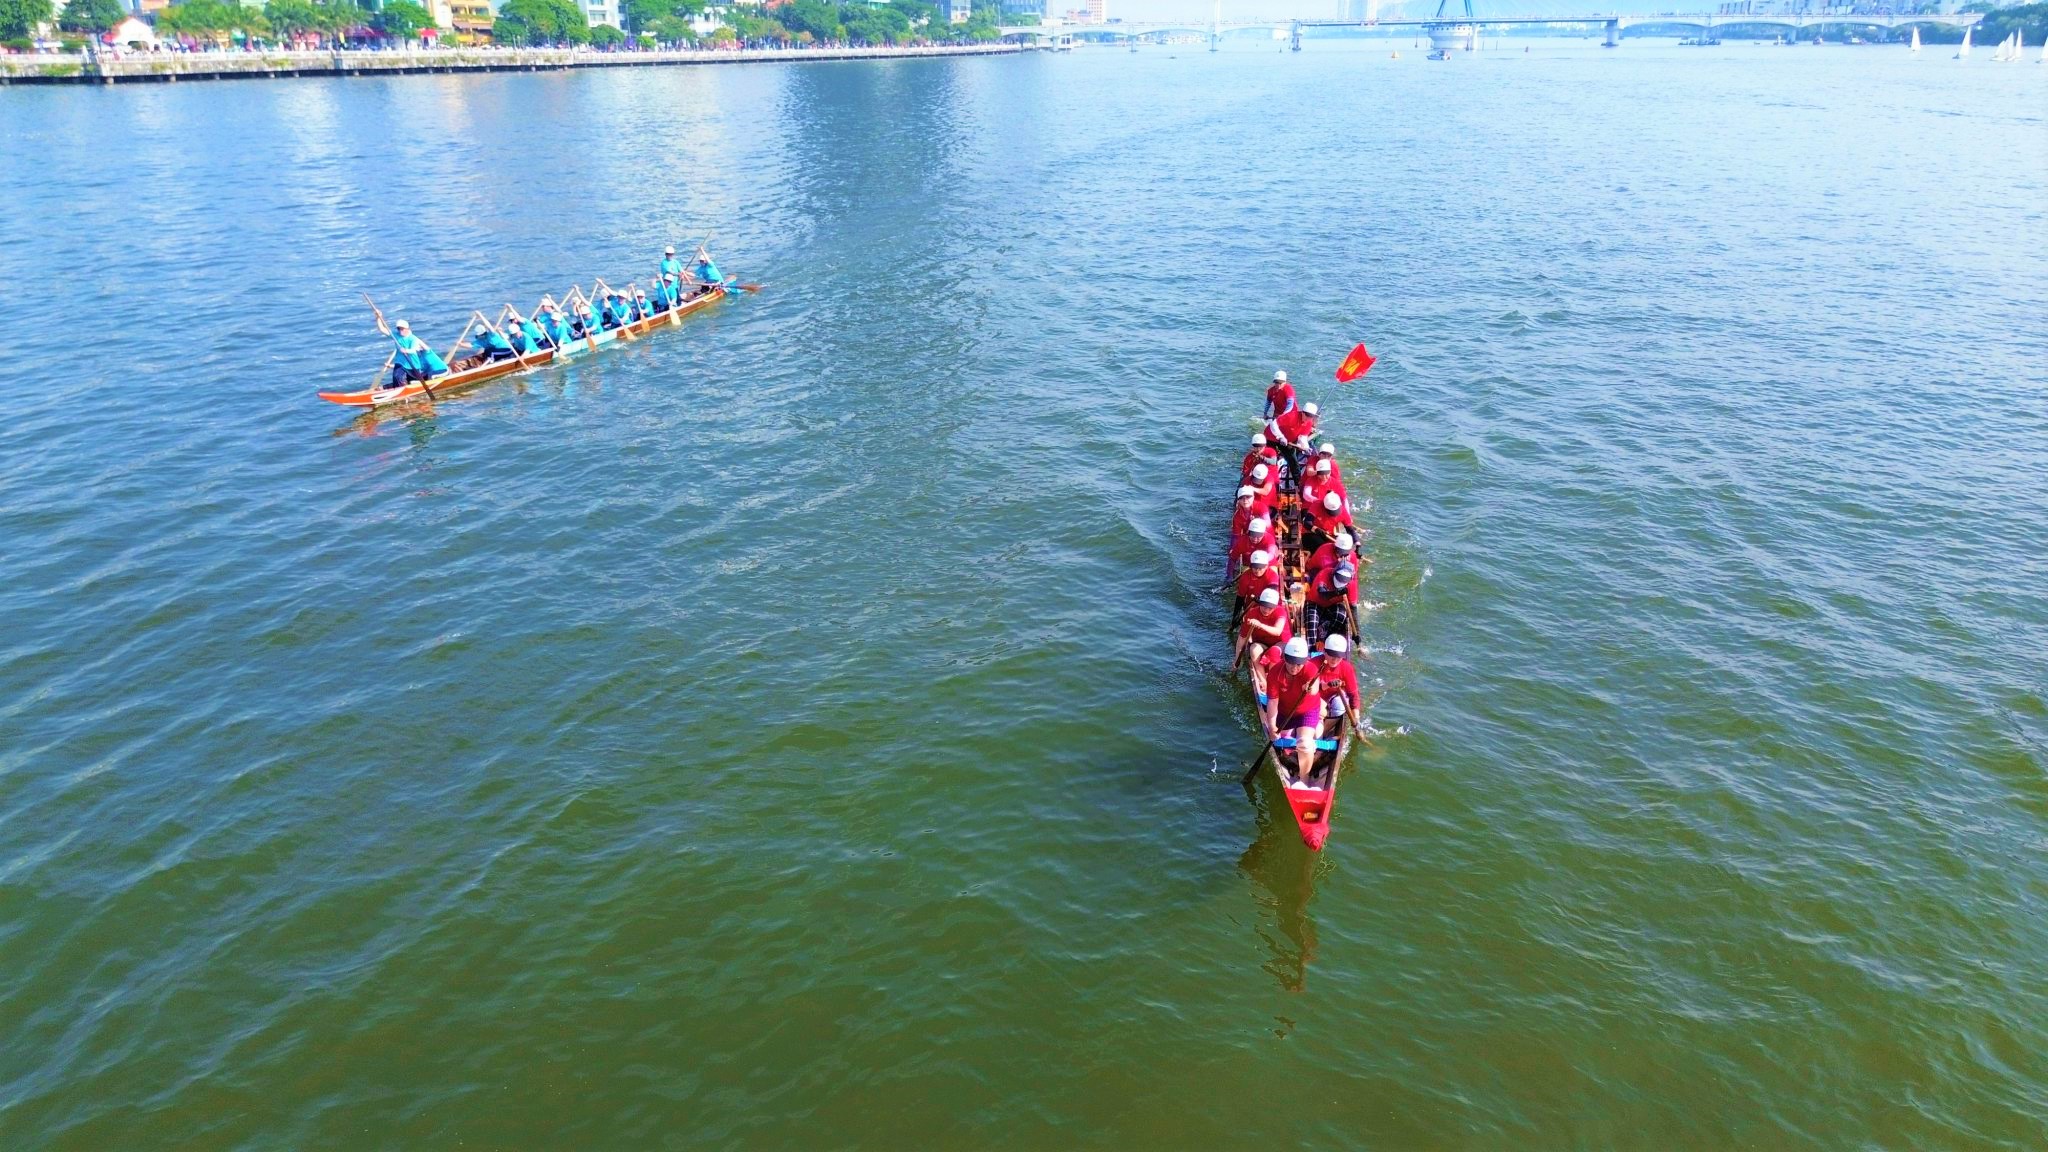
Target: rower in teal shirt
670 266
707 269
411 359
494 346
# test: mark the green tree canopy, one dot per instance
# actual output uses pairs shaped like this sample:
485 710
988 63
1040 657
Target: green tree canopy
865 25
541 22
92 15
211 18
402 19
606 36
293 17
816 17
20 17
750 24
672 30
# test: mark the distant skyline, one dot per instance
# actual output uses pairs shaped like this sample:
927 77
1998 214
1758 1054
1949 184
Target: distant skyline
1329 10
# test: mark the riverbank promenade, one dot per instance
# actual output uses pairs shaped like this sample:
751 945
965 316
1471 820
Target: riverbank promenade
163 67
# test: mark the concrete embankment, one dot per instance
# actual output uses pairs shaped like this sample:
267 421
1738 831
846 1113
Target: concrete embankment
146 67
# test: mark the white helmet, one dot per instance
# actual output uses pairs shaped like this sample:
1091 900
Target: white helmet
1280 377
1322 467
1269 596
1309 408
1259 472
1335 644
1332 501
1328 449
1258 526
1344 542
1261 558
1246 492
1258 439
1296 649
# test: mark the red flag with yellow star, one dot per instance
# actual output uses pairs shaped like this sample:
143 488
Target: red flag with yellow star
1355 365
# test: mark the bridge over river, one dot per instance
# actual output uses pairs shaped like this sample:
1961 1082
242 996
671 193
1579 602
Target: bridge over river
1462 31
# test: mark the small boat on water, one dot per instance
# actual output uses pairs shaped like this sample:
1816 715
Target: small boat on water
1916 41
465 372
1963 51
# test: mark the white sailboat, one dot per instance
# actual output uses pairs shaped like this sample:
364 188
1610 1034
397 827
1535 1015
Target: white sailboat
2019 45
1965 49
1916 41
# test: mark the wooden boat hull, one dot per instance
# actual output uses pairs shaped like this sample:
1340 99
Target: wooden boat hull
453 381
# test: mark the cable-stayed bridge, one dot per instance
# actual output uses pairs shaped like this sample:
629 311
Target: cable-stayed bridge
1460 30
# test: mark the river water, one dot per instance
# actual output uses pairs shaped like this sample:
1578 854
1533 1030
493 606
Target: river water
810 727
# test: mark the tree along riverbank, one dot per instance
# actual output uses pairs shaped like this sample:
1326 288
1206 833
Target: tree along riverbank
144 67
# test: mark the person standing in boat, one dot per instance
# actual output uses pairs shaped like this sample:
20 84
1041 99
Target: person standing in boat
1279 397
671 268
1293 433
1294 705
411 360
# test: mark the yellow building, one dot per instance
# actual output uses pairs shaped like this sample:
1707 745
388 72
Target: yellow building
471 20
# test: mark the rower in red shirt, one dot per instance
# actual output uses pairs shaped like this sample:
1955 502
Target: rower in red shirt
1266 624
1294 706
1340 550
1328 451
1279 397
1326 518
1261 453
1247 509
1257 536
1332 594
1265 480
1259 574
1318 479
1340 681
1297 429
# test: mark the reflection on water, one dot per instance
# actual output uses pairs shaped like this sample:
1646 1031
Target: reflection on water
1283 871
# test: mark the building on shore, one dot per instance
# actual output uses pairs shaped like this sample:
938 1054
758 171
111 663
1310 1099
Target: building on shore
956 11
604 12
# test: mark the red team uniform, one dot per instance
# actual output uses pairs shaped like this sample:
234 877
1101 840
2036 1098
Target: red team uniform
1280 397
1340 678
1268 616
1251 582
